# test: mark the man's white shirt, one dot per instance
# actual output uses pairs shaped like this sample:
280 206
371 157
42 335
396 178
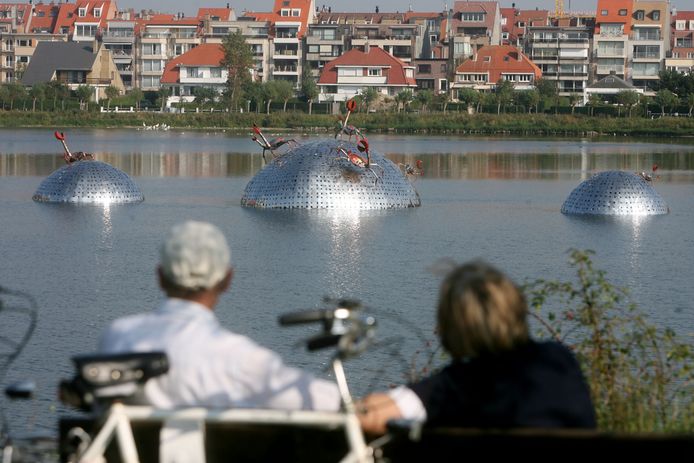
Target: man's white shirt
211 366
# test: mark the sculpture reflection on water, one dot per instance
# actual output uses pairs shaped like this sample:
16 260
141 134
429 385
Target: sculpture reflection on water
330 174
86 181
616 193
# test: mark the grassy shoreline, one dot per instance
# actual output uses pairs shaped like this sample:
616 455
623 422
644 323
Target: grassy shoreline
405 123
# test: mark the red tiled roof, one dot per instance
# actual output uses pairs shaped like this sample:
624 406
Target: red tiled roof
47 21
477 7
393 68
612 7
69 14
686 15
23 14
224 14
501 59
275 16
414 14
206 54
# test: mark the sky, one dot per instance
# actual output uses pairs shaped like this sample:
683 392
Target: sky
190 7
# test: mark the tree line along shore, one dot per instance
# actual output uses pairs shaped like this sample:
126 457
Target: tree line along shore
452 121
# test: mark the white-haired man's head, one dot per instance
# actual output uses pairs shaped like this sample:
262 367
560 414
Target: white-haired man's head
195 257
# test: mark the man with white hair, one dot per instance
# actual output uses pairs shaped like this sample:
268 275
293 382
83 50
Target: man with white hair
209 365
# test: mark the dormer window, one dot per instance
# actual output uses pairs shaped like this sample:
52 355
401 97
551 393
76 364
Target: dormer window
97 12
655 15
82 12
639 15
374 72
487 59
284 12
296 12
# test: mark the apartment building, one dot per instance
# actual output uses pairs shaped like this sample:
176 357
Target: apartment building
257 34
325 41
289 23
120 39
631 40
562 52
649 41
681 56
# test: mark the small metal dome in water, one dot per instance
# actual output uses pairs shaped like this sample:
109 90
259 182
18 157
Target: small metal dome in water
615 193
85 181
325 174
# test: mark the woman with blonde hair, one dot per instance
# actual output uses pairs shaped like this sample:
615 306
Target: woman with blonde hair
498 377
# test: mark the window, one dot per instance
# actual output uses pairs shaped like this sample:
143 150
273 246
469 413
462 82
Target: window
82 12
85 30
151 65
655 15
443 85
150 81
374 72
623 12
178 49
65 30
473 17
680 25
284 12
296 12
194 73
313 49
639 15
97 12
487 59
603 12
216 73
424 68
151 49
521 24
22 59
444 67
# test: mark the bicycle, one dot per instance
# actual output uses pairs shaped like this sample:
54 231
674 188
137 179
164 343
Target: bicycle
103 385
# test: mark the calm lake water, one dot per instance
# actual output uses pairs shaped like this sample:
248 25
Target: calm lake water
497 199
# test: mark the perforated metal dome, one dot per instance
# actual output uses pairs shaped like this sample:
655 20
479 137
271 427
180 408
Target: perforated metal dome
615 193
88 182
315 175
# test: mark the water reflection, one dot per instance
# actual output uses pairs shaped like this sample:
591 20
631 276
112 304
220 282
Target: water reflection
344 258
673 167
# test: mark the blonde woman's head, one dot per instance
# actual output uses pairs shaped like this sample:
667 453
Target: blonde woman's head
480 311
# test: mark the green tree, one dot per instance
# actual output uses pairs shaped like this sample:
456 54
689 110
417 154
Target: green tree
56 91
255 93
4 95
677 82
403 98
136 94
369 96
238 60
548 92
424 98
111 93
163 95
528 99
37 93
628 99
469 97
204 95
574 99
284 91
503 94
84 94
665 99
15 91
443 98
270 92
309 88
594 101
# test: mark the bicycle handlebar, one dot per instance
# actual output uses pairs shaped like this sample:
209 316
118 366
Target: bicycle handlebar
322 341
305 316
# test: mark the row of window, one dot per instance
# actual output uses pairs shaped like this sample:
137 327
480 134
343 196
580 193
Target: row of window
639 15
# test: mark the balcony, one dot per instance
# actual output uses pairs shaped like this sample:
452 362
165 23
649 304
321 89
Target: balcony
602 70
285 70
156 35
646 55
640 37
118 37
84 81
610 53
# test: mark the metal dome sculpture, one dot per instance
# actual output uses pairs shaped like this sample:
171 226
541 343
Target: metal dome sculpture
616 193
331 174
86 181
